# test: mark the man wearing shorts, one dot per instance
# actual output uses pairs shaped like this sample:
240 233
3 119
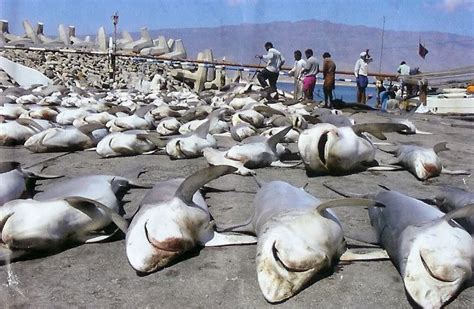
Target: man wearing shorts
361 71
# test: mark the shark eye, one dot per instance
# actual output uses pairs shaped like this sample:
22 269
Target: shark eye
322 145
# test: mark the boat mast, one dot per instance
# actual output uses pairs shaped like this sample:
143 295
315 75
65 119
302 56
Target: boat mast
381 49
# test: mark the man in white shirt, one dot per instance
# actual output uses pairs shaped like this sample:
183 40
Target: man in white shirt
271 72
311 69
296 73
403 70
361 71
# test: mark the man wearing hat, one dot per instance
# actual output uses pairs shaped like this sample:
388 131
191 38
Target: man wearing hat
361 70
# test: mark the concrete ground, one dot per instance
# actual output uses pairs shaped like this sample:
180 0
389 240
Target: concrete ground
98 275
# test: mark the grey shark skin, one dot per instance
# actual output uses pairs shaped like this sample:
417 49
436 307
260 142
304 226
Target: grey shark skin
172 219
297 237
432 253
191 145
13 180
422 162
452 198
68 139
72 210
327 149
254 152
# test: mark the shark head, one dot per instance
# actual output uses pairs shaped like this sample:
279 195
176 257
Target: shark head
291 250
159 235
328 149
438 263
427 164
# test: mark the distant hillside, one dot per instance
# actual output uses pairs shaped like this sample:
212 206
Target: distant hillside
241 43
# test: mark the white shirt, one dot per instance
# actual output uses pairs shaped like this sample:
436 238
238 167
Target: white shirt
404 69
296 70
274 60
361 68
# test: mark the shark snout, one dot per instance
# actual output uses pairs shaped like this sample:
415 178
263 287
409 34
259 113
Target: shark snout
298 259
445 268
169 244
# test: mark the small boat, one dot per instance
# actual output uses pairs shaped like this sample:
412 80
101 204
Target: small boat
449 101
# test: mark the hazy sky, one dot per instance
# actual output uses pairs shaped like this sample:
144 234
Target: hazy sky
455 16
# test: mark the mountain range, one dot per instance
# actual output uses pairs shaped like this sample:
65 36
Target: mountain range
240 44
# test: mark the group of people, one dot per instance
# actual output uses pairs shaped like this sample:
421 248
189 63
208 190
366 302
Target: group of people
305 71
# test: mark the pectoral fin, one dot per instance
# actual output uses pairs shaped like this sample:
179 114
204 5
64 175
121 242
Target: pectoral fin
218 239
455 172
79 202
377 254
99 238
281 164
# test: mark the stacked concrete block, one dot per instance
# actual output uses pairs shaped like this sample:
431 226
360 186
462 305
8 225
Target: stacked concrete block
126 39
102 39
160 48
9 38
177 50
145 41
30 33
198 77
64 35
219 79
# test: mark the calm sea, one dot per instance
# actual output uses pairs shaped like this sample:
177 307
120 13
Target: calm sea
346 93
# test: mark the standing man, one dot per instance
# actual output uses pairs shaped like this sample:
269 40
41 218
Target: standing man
275 61
329 74
404 70
296 73
310 70
361 71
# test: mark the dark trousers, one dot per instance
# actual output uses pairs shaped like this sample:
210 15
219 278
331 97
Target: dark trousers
272 78
327 95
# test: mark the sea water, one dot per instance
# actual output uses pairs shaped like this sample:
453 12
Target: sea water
344 92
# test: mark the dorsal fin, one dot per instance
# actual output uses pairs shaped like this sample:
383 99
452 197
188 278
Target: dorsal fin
88 128
263 109
275 139
440 147
30 123
203 129
360 202
313 119
117 109
376 129
142 110
466 211
153 137
194 182
214 117
8 166
347 194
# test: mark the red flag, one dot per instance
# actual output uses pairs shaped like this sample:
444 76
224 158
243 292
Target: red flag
422 51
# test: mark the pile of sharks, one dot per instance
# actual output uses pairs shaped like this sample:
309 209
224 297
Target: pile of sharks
238 130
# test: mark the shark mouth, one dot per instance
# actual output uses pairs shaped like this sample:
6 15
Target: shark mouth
432 274
280 262
172 245
322 146
431 169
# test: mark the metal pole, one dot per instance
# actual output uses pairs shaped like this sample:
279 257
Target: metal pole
381 49
115 19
